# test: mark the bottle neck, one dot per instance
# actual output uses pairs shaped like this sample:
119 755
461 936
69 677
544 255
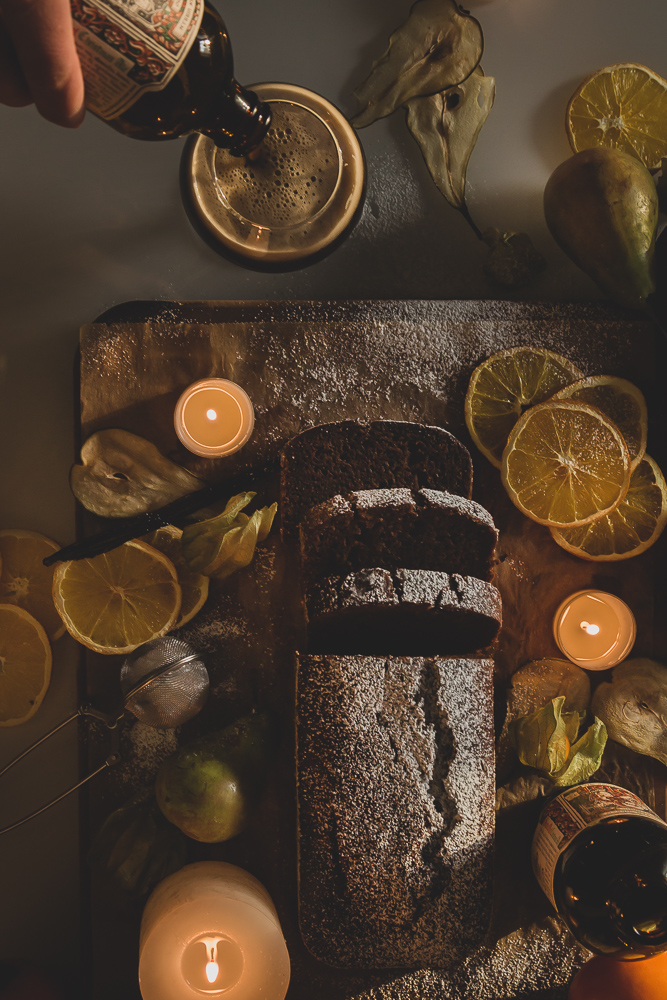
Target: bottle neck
241 120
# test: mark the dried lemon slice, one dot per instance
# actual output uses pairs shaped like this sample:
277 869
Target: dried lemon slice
565 464
621 107
194 586
631 529
25 665
504 385
25 581
621 401
117 601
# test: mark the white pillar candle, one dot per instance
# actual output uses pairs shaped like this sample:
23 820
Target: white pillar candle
594 629
214 417
211 930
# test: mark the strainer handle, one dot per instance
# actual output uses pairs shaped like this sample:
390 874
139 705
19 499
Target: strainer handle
113 758
38 743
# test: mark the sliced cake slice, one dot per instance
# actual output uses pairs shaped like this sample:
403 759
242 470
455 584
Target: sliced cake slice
395 795
415 529
405 612
355 455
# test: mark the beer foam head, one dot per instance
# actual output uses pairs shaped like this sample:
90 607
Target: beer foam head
298 193
292 179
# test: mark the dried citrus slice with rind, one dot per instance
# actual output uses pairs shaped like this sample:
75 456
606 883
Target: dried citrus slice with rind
565 464
631 529
25 581
194 586
621 107
504 385
25 665
623 403
117 601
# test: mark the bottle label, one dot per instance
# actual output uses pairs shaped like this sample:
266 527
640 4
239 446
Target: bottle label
128 47
569 813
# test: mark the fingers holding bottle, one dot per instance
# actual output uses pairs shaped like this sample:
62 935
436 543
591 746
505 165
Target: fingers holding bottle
38 60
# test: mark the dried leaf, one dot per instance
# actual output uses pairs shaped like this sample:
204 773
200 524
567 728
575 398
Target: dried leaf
547 741
123 474
446 127
438 47
585 756
513 260
219 546
541 739
201 541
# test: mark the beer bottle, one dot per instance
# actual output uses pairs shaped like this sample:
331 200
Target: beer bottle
600 855
160 69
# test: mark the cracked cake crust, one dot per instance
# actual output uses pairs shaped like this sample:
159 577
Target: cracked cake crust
395 787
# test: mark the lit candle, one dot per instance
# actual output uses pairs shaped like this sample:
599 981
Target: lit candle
594 629
211 930
214 417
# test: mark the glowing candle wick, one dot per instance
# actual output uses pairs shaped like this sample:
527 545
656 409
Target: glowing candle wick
590 629
211 414
212 967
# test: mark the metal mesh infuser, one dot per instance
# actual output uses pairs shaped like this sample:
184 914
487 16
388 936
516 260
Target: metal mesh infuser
164 683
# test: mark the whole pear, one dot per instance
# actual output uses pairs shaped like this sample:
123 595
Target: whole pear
601 206
209 788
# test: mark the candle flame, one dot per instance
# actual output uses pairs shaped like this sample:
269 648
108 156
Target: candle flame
211 414
212 970
589 628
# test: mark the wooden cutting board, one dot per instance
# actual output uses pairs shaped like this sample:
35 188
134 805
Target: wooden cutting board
304 363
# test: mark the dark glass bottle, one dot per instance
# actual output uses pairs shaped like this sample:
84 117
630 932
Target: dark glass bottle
609 871
201 96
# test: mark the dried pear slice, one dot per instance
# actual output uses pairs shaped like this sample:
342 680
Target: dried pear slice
438 47
123 474
446 127
633 706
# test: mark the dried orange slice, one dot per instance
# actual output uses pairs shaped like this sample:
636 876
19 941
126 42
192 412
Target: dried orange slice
621 401
631 529
504 385
194 586
621 107
117 601
25 665
25 581
565 464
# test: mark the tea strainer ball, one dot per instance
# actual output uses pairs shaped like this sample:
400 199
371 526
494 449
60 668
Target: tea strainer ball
164 682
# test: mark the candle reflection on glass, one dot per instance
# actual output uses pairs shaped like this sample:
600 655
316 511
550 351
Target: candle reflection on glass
214 417
594 629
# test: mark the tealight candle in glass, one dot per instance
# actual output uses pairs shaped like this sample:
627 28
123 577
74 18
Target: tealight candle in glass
594 629
214 417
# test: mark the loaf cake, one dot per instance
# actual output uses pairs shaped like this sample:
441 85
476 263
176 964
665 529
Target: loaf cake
395 792
354 455
414 529
405 612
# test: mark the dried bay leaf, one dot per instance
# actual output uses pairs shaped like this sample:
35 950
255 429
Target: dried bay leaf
438 47
123 474
446 127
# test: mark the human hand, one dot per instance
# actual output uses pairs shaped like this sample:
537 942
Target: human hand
38 60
